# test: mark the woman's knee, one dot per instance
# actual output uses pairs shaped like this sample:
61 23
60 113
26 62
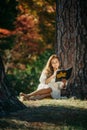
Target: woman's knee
49 89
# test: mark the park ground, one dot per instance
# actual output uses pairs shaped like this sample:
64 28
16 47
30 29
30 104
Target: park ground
48 114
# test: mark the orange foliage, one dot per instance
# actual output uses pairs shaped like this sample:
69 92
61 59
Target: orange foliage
4 33
27 34
34 27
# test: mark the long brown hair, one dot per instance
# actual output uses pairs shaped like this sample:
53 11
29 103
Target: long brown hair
48 68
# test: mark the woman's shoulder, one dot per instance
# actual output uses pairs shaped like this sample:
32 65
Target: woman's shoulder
44 72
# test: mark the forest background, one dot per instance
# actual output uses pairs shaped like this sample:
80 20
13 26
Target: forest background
27 39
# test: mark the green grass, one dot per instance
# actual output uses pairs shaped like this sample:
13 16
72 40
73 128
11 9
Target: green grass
48 114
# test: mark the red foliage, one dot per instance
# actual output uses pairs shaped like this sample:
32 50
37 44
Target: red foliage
4 33
27 33
24 22
27 36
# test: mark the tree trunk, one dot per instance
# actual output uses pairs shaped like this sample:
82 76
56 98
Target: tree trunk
71 43
8 102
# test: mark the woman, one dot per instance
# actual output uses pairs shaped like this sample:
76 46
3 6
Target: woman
48 87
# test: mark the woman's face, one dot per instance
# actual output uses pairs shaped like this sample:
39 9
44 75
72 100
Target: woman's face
55 63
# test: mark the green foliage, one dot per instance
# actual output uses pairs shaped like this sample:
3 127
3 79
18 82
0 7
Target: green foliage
27 80
29 28
23 80
42 59
35 22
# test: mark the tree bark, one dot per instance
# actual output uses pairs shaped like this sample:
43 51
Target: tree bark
8 101
71 43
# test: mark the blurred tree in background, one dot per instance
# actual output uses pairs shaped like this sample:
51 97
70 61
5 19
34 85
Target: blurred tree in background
28 29
27 37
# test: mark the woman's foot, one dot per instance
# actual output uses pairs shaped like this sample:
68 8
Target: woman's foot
22 98
22 94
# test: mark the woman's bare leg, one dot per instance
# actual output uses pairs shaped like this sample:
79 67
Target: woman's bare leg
37 92
23 94
38 97
40 92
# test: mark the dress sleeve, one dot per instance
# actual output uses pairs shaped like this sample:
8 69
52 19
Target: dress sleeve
43 78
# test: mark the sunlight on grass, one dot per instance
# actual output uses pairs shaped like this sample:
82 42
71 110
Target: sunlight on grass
48 114
24 125
65 102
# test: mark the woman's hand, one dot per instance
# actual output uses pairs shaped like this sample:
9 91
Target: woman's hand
54 74
48 80
64 81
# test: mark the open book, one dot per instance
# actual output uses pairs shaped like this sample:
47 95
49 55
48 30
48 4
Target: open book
63 73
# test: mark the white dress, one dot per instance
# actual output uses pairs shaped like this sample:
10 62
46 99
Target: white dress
55 86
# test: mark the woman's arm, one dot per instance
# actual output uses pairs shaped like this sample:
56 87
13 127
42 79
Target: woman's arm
45 80
48 80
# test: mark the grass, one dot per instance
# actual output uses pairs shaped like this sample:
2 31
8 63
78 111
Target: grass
48 114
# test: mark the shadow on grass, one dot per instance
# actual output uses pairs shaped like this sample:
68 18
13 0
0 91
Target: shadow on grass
53 116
